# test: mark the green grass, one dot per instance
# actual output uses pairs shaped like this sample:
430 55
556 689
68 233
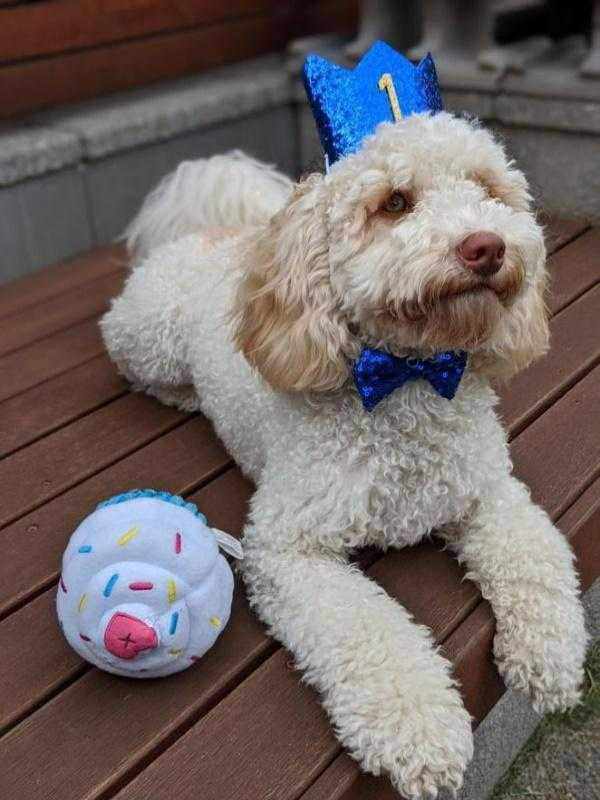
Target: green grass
561 760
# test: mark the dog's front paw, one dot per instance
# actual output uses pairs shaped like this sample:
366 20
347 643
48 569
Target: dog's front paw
423 747
547 668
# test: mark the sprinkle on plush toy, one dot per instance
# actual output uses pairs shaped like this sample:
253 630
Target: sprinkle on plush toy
144 590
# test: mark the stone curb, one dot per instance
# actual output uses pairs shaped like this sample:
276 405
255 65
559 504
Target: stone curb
55 139
35 150
153 114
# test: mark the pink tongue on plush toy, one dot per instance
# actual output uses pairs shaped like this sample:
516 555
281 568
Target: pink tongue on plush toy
126 636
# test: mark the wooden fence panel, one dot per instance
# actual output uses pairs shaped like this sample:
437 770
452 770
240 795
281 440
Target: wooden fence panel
62 51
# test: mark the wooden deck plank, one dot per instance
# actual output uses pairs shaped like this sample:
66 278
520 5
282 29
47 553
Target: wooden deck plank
137 711
225 501
64 276
559 232
340 780
574 270
273 758
32 546
52 465
575 349
35 659
558 454
52 356
404 573
59 313
57 402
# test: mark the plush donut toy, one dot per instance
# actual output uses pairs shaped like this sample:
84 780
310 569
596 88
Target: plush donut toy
144 590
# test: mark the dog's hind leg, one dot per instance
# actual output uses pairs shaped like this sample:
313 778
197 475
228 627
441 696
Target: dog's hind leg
145 329
388 691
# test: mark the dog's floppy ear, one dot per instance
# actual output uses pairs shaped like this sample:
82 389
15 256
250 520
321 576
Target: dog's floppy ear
286 320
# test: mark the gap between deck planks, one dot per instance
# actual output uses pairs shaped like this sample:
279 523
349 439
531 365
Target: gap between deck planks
64 276
82 303
50 466
159 440
182 459
51 405
52 356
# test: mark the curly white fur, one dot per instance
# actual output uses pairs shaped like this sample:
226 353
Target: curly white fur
200 194
310 277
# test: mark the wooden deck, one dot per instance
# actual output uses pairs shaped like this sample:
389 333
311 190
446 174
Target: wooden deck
240 724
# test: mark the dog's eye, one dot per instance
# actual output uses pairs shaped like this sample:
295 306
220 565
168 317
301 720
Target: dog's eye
396 203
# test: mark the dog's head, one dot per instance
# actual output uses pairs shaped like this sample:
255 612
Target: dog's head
420 242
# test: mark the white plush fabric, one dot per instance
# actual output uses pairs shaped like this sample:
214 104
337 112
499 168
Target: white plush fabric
144 591
324 272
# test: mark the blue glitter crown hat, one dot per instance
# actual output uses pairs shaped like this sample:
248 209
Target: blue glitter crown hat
348 104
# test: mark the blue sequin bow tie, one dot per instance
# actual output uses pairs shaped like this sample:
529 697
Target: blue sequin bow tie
377 374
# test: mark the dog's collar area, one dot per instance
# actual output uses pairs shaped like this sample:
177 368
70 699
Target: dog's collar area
377 373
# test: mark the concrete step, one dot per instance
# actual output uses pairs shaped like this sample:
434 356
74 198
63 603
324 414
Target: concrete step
73 177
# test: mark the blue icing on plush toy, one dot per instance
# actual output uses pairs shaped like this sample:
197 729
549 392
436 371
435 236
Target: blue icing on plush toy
144 590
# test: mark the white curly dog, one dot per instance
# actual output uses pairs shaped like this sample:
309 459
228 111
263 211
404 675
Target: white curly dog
250 299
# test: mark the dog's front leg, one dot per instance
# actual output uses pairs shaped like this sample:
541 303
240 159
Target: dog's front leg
524 567
387 690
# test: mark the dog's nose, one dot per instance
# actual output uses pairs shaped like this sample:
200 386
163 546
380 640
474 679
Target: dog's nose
482 252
